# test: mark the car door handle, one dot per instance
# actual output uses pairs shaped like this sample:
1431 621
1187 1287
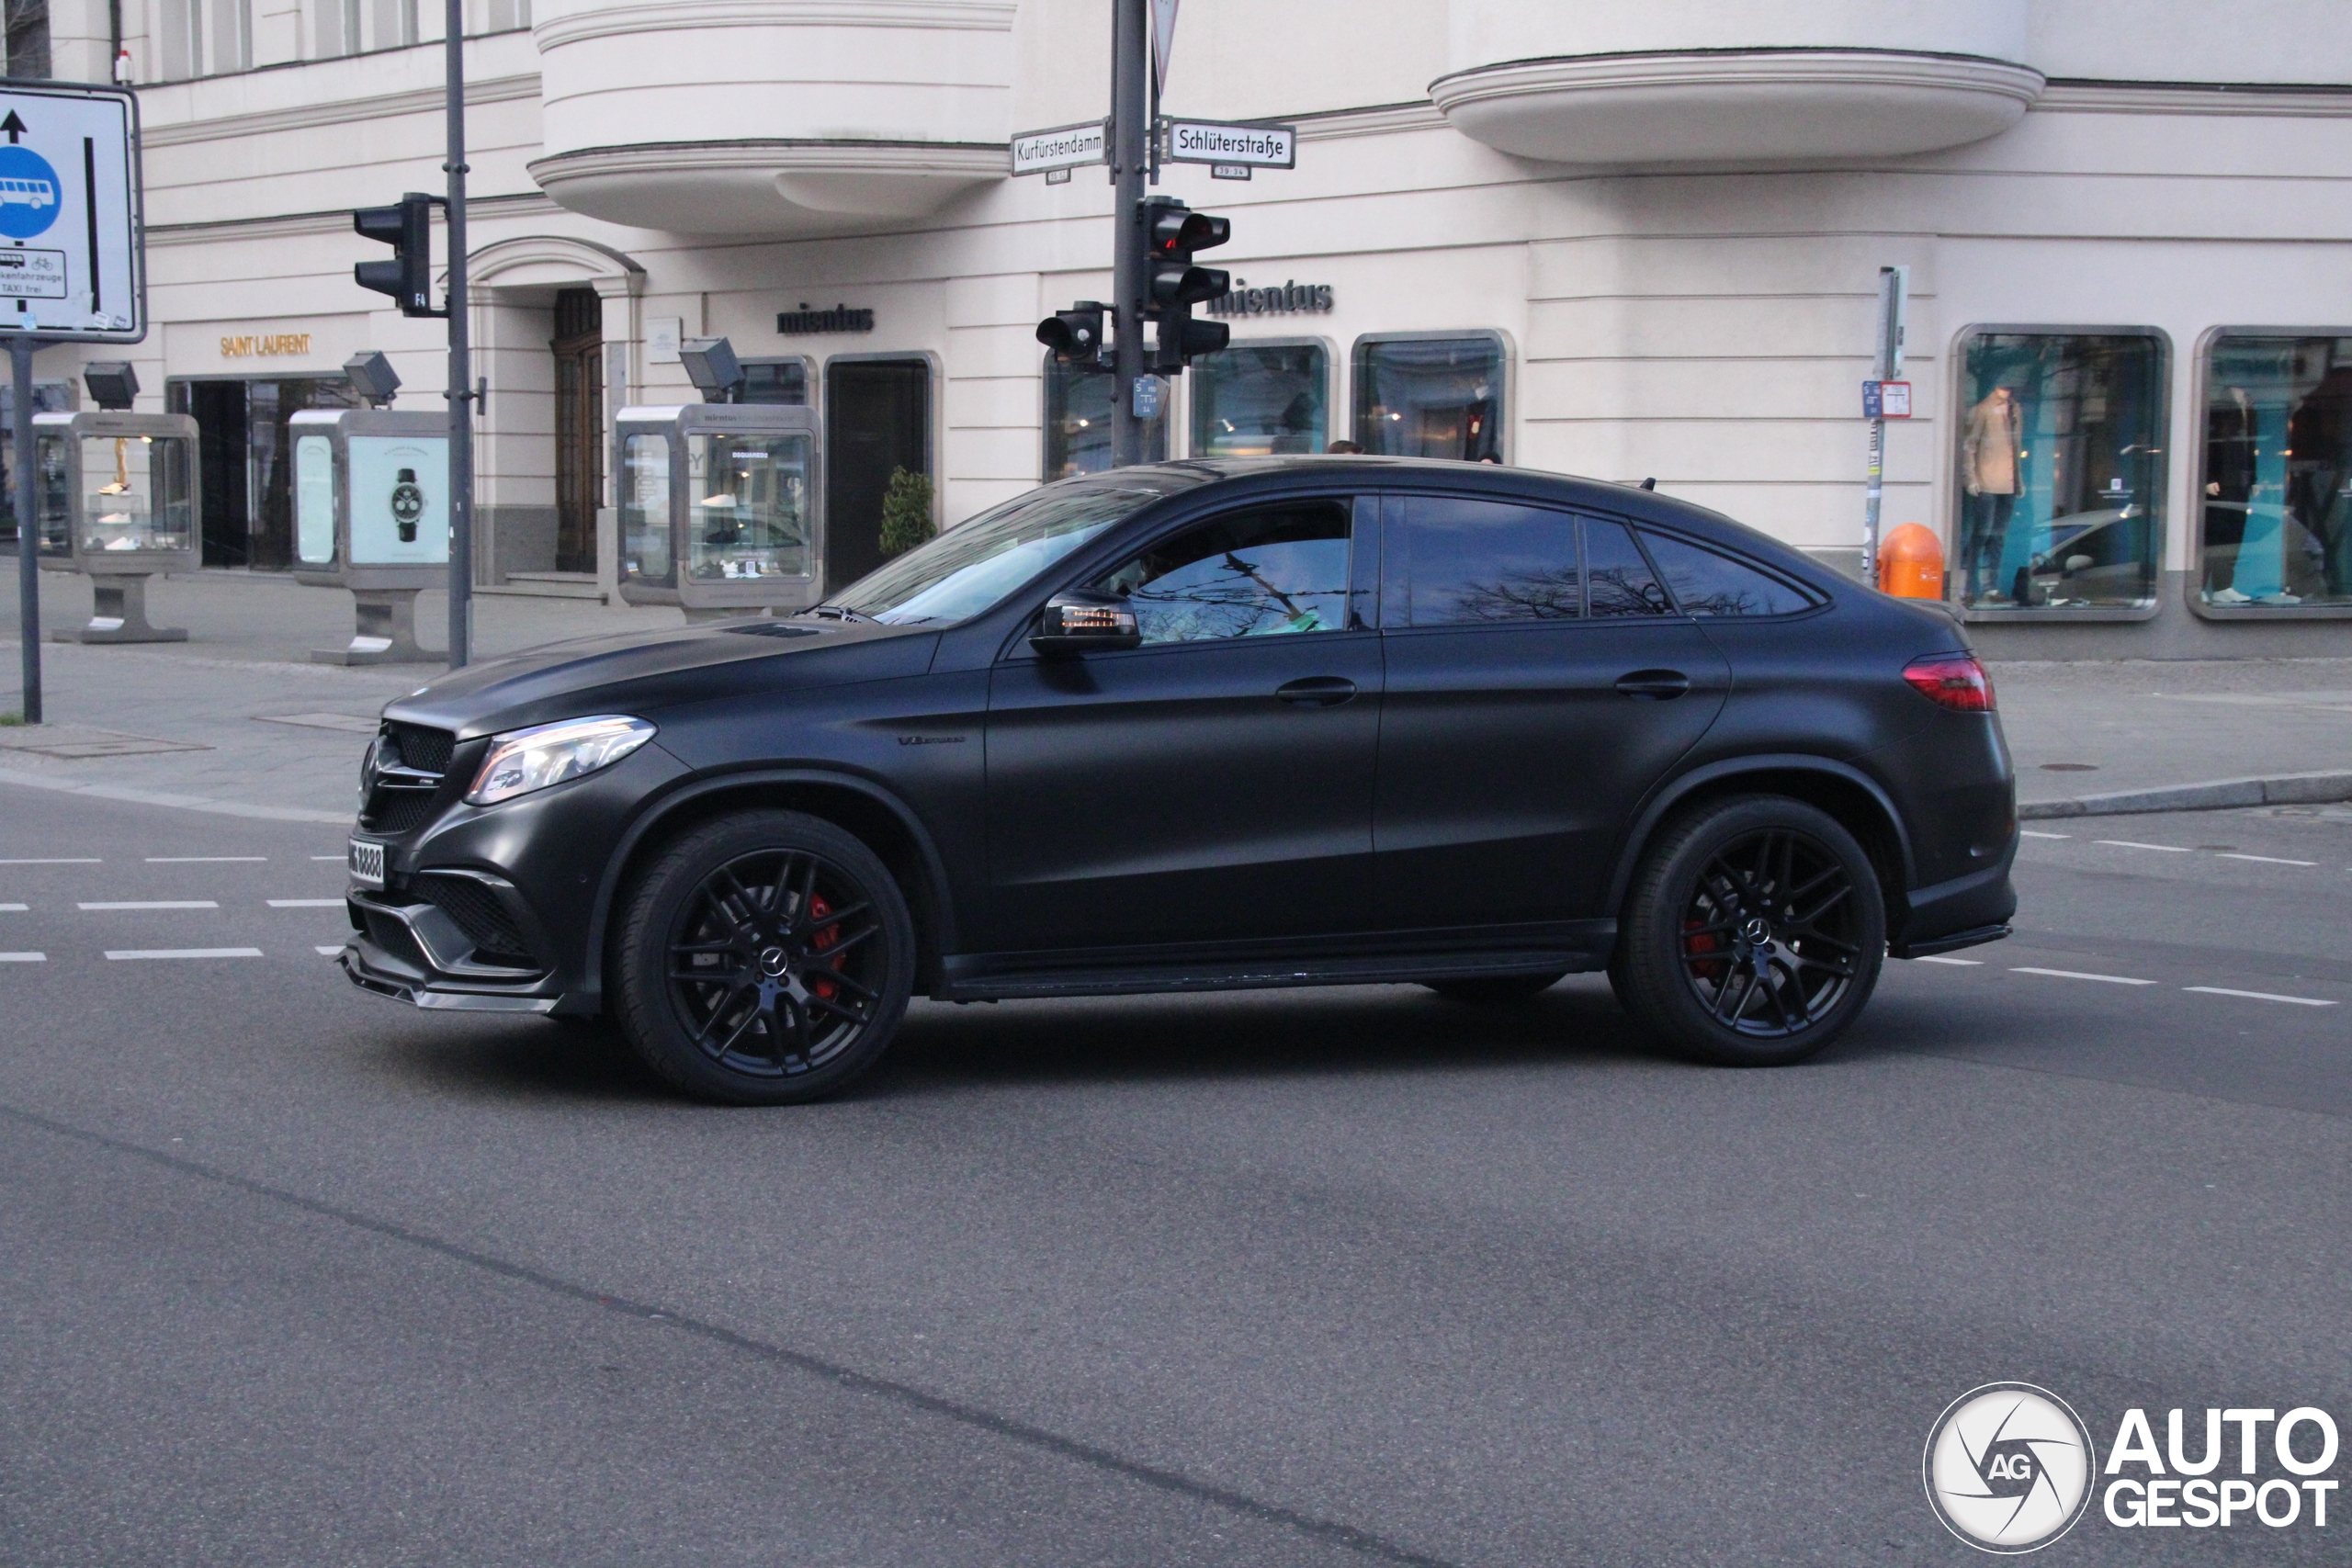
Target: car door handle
1655 685
1317 692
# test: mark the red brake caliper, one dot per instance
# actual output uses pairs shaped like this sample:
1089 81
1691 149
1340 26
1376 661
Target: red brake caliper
818 910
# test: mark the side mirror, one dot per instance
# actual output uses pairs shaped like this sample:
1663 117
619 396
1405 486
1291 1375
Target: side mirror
1086 620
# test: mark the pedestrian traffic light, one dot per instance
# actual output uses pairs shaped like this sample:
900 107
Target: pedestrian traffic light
1173 232
1075 335
408 276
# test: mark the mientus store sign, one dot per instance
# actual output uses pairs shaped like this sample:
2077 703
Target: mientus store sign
840 318
1287 299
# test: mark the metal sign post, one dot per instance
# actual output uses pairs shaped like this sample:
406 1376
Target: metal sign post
1886 364
461 390
1131 261
72 269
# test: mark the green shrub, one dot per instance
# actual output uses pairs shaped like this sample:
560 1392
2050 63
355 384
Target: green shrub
906 513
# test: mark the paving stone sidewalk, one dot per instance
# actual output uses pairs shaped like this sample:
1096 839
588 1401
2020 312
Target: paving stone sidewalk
275 733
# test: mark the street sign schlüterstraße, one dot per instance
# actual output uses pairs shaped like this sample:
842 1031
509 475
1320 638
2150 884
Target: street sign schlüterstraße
70 263
1206 142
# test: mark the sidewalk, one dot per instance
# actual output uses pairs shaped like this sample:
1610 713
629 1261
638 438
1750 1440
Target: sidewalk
2080 732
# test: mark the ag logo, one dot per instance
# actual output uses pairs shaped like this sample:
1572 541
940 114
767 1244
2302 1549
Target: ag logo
2009 1467
408 506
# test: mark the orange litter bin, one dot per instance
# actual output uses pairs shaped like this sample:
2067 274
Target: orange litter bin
1911 563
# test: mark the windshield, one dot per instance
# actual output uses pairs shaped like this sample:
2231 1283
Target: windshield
973 567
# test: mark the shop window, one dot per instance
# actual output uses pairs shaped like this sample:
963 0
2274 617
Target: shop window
1078 425
28 39
1432 397
645 511
2275 515
775 381
2060 486
1257 398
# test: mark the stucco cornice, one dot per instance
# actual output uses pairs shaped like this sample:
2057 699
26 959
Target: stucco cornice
345 111
948 16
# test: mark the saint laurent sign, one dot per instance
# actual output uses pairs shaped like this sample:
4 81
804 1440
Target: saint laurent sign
264 344
1289 299
840 318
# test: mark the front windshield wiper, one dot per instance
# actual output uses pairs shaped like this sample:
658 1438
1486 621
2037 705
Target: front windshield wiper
831 613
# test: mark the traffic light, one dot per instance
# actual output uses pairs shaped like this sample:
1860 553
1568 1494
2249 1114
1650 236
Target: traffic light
1075 335
408 276
1173 232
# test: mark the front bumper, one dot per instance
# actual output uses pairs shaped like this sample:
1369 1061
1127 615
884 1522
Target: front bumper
412 952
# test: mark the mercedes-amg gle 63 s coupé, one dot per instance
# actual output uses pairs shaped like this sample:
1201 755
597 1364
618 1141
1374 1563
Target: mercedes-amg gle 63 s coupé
1201 725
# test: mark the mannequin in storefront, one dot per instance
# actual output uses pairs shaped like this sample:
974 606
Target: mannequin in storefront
2319 489
2229 488
1990 468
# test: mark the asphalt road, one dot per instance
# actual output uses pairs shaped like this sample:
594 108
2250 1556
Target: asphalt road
292 1276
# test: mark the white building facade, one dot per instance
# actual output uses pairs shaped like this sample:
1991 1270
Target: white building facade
1629 238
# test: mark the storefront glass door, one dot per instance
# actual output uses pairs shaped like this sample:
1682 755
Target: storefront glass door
877 420
246 462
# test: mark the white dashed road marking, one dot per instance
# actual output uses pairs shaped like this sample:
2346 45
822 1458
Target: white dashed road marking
1968 963
2260 996
204 860
2078 974
344 856
2265 860
82 859
24 957
120 953
329 951
2128 844
153 904
13 909
306 903
2030 834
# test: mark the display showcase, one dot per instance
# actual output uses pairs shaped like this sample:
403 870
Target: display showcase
719 508
117 499
1077 424
2275 502
371 514
1256 399
1421 395
2059 480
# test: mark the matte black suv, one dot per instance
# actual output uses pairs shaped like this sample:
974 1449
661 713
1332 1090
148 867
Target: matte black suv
1202 725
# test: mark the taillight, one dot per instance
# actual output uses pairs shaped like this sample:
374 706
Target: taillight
1953 680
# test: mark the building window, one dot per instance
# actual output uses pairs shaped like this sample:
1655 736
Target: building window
338 29
2059 487
204 38
2275 519
775 381
1077 424
28 39
1255 399
1432 397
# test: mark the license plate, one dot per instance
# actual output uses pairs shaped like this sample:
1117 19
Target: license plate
366 863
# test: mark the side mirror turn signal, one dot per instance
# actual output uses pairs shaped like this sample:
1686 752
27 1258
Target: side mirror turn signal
1086 620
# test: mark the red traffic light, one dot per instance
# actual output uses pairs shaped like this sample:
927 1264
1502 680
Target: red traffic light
1177 233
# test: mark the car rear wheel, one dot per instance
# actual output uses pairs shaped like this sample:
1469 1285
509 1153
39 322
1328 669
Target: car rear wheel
1490 990
1754 933
763 959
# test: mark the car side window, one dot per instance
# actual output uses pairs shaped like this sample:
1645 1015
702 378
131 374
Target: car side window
1620 579
1705 583
1468 561
1267 572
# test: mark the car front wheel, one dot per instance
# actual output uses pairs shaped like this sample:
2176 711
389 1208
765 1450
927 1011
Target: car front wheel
1754 934
764 958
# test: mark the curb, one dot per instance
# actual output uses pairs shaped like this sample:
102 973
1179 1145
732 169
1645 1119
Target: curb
180 802
2281 789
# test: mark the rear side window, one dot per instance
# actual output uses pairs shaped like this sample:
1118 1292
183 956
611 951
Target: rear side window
1621 581
1464 561
1705 583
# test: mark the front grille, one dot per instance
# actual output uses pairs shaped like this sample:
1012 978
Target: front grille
480 915
404 777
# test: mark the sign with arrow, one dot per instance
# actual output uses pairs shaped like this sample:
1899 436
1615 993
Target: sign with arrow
70 261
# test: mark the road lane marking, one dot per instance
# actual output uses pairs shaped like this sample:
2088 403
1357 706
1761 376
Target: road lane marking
24 957
345 855
2265 860
122 952
1939 958
2078 974
328 952
72 860
14 908
2258 995
152 904
2030 834
2129 844
203 859
306 903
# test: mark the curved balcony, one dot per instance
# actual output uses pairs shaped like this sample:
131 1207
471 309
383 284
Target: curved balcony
1663 81
772 117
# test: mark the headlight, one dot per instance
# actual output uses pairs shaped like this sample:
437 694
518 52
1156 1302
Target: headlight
524 759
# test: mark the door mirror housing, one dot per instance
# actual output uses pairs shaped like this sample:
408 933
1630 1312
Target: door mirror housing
1086 620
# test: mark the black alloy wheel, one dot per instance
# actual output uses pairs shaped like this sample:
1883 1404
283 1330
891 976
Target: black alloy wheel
1754 934
764 959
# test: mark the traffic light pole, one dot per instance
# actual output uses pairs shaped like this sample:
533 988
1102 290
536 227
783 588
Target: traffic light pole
461 377
1130 159
20 358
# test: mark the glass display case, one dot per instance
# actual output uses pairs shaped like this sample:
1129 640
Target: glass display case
115 498
721 510
371 513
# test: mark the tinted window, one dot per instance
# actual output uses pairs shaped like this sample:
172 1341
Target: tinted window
1705 583
1467 561
1623 583
1257 573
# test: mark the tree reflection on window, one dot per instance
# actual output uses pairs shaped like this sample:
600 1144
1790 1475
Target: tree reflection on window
1259 574
1542 593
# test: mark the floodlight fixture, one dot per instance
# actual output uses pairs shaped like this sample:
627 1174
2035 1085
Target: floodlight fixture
373 378
712 366
112 382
